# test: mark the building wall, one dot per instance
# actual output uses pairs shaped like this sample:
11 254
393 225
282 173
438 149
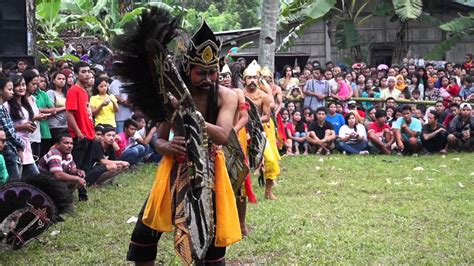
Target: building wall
380 33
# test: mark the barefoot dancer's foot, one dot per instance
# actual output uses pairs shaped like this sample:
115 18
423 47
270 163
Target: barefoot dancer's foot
268 190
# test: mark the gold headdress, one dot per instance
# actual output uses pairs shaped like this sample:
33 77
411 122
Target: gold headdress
204 48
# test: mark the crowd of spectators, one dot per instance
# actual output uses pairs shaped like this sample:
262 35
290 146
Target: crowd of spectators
69 124
73 125
410 109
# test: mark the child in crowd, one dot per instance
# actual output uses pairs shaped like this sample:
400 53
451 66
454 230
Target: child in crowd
103 105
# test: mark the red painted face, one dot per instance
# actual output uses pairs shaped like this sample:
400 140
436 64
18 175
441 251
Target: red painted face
204 78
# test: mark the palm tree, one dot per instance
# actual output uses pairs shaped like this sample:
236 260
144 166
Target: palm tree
266 49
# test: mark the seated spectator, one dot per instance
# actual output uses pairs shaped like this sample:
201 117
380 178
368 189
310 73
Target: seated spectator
340 109
3 165
370 118
461 129
352 137
453 112
321 134
133 147
59 165
441 111
297 131
369 92
103 105
104 164
390 102
407 130
434 135
420 111
379 133
336 119
359 114
390 115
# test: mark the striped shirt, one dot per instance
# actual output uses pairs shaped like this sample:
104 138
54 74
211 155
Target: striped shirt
54 161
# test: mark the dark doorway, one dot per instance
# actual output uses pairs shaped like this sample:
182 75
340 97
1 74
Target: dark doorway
381 55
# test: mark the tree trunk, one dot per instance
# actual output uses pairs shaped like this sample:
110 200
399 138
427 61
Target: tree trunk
401 46
267 40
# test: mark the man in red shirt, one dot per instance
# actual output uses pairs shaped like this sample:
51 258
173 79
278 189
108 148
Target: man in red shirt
380 135
79 117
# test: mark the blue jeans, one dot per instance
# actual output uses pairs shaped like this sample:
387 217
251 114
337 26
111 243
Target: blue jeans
28 171
12 163
352 148
300 135
119 128
134 154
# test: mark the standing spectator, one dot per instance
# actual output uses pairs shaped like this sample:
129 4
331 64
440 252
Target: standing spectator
329 77
98 52
57 94
21 65
69 74
461 129
104 105
434 135
288 81
390 91
336 119
407 131
68 48
3 166
45 106
31 80
125 108
344 92
468 64
457 73
79 117
315 91
104 164
352 137
59 165
416 85
23 121
379 133
82 53
321 133
13 150
297 131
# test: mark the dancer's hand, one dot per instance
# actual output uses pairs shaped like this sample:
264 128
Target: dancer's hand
177 146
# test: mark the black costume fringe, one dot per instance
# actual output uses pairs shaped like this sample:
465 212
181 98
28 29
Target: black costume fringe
140 43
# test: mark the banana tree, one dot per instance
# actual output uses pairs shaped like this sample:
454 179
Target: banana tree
347 17
299 15
456 29
266 49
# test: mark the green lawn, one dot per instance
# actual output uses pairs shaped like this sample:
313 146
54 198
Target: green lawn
331 210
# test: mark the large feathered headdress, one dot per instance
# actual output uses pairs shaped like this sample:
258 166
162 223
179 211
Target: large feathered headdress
143 49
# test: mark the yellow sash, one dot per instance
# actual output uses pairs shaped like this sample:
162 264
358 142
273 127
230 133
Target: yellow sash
157 214
270 154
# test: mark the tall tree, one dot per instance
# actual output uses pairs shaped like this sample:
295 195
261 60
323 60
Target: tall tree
266 49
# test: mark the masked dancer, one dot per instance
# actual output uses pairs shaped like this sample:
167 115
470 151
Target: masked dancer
192 194
263 102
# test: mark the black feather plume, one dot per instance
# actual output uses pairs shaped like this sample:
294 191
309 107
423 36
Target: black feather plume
145 40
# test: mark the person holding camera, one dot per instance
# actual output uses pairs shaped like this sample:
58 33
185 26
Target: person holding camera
352 137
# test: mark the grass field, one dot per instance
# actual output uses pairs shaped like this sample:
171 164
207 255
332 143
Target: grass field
331 210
